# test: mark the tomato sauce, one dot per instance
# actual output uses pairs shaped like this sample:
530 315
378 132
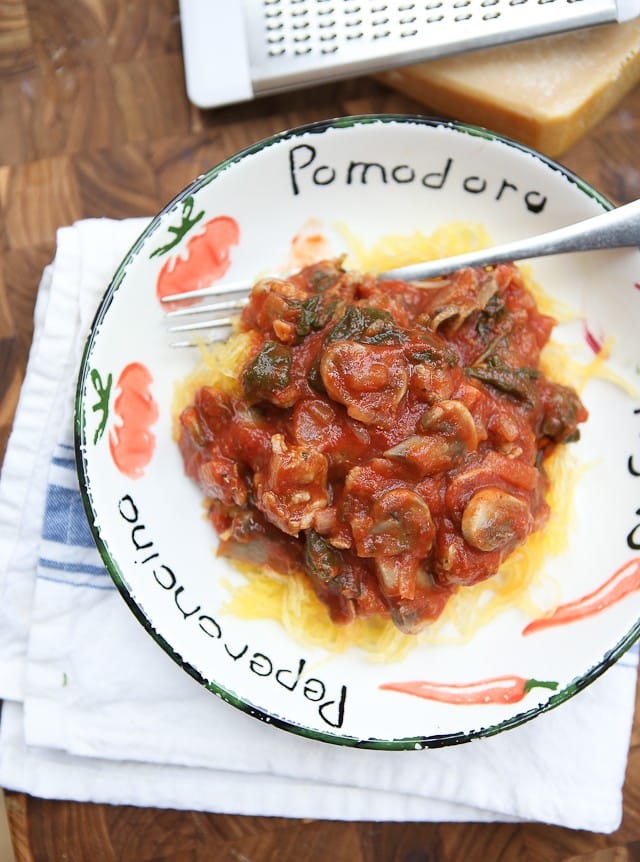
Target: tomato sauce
389 440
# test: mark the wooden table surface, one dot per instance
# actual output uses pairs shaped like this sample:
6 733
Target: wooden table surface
94 121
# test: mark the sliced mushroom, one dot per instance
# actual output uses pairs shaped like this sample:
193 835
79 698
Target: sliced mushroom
370 380
448 433
494 470
428 455
469 292
398 522
431 383
412 614
323 562
493 519
451 419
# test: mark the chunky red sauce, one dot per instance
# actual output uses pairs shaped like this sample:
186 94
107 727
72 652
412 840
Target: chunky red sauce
390 438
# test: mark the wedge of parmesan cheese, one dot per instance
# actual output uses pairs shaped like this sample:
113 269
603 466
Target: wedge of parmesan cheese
545 92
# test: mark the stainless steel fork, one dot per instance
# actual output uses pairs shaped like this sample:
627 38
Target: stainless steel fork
615 228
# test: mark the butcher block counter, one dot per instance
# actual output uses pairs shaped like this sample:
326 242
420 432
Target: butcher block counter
95 122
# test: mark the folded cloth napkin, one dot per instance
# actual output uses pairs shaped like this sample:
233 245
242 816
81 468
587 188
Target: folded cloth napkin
95 711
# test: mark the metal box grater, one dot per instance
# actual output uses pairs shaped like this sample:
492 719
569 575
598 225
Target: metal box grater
235 50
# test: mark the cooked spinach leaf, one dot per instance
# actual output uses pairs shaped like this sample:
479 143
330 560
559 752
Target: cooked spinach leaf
366 326
269 371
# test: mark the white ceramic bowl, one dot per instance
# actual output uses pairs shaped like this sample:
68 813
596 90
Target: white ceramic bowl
379 176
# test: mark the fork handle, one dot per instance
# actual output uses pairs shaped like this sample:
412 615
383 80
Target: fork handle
616 228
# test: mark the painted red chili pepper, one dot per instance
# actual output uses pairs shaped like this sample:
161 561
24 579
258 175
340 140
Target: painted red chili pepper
499 689
208 257
131 442
624 580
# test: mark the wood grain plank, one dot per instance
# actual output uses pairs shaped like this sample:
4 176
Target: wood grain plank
116 183
17 813
150 96
75 110
500 841
69 33
402 842
4 186
41 196
306 841
95 106
8 350
65 34
6 842
20 273
177 160
11 388
10 371
155 833
110 834
630 828
16 141
227 828
619 178
16 48
140 29
66 112
74 831
630 853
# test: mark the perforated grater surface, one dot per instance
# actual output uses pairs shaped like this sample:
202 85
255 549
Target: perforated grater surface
236 50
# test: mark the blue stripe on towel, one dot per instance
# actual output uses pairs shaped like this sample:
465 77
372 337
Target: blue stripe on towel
70 463
106 585
65 520
68 554
62 566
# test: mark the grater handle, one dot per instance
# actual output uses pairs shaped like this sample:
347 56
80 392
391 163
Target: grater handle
616 228
628 9
216 55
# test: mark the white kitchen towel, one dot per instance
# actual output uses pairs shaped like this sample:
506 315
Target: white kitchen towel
96 711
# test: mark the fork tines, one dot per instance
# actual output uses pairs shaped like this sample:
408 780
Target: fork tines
209 308
213 290
216 323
